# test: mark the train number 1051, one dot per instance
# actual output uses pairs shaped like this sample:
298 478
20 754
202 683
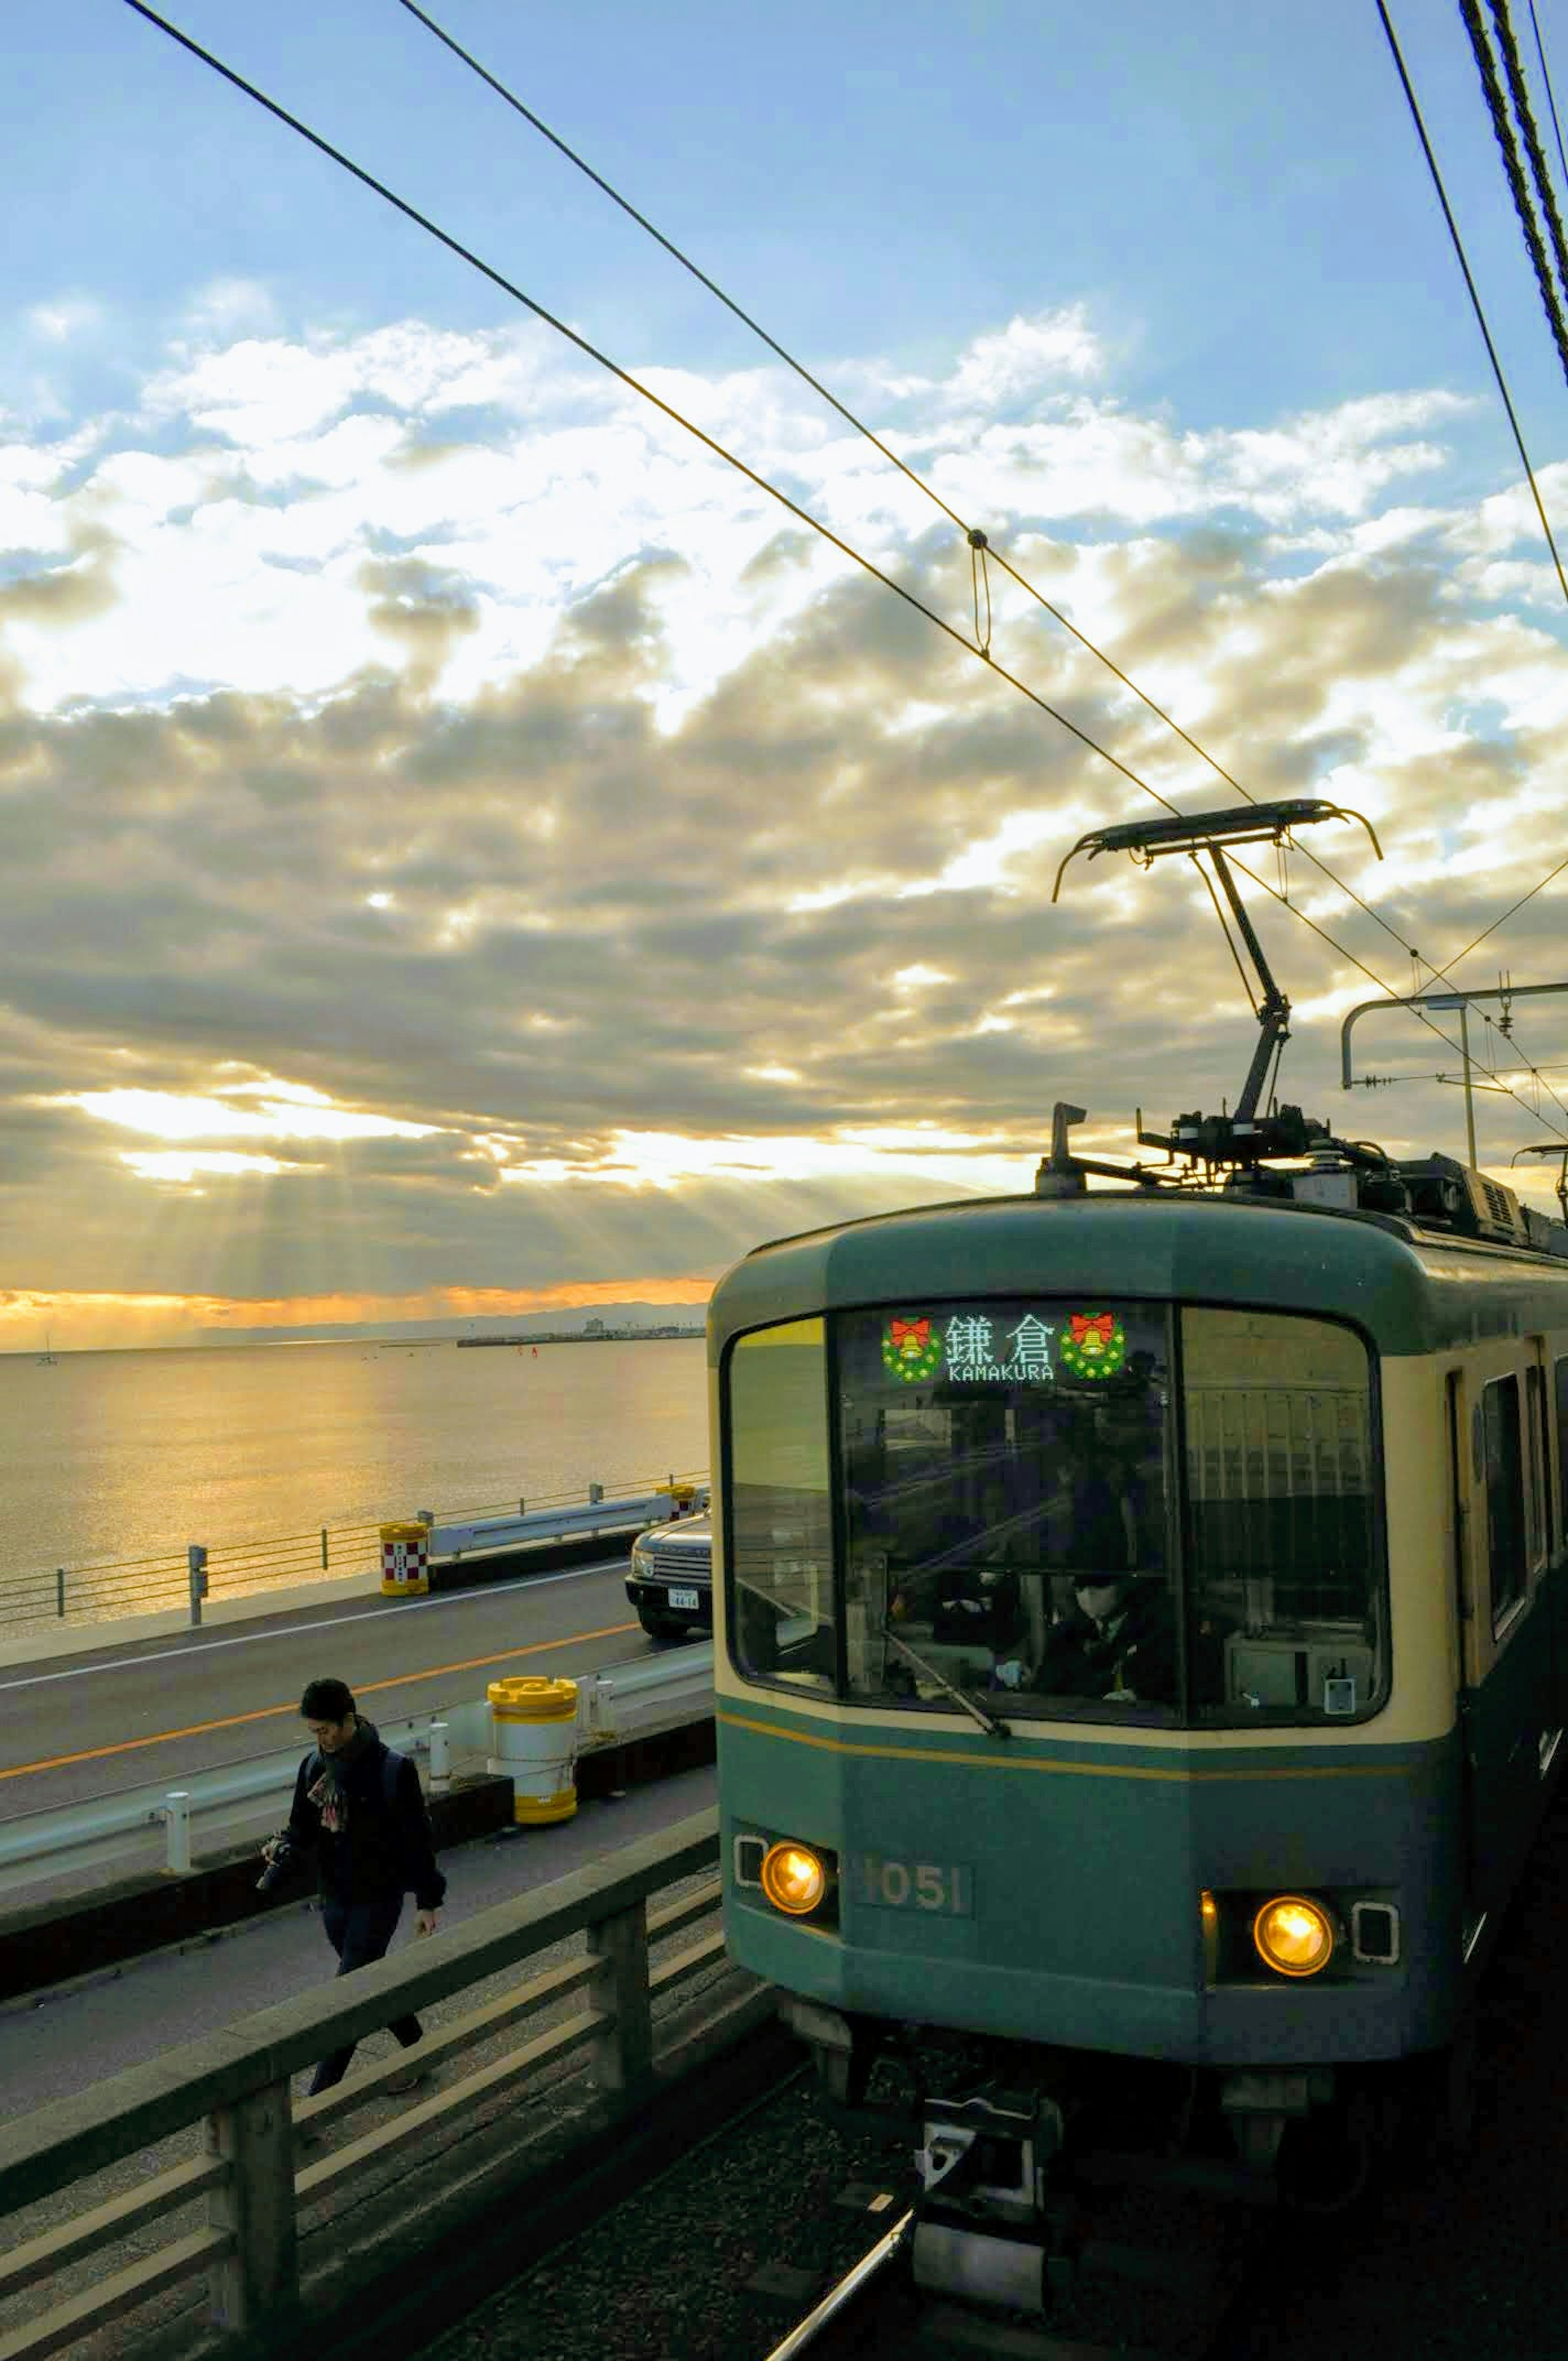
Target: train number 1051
933 1886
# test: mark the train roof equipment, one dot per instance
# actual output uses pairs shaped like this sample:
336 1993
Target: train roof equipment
1280 1153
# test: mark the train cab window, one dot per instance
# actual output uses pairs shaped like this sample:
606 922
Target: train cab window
778 1554
1006 1508
1070 1508
1285 1615
1506 1506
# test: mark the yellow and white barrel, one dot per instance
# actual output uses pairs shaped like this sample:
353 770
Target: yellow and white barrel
534 1723
405 1560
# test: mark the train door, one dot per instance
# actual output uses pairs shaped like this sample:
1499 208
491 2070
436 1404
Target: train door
1506 1688
1464 1590
1548 1547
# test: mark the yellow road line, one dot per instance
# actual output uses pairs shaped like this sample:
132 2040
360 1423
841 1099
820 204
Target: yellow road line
268 1712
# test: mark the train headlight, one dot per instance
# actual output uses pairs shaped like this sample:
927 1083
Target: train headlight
1294 1937
793 1879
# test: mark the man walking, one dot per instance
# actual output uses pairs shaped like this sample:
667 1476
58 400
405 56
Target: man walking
359 1807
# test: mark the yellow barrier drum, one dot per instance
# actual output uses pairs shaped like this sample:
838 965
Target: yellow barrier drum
405 1560
534 1724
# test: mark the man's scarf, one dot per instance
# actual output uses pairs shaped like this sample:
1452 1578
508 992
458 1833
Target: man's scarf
330 1793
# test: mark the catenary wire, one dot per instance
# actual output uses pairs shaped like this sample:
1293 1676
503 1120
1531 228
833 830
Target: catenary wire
1546 78
980 544
444 237
1518 91
1416 118
1504 130
978 540
509 287
1475 299
1508 914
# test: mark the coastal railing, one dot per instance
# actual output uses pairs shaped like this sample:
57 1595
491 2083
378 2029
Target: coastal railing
235 2085
113 1835
113 1587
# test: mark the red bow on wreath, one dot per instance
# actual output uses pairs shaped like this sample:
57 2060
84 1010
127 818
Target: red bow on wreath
912 1332
1093 1323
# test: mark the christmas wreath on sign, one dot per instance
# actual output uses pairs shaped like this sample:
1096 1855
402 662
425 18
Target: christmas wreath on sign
1095 1345
911 1350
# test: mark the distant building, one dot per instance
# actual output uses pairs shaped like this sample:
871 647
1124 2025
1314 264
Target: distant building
593 1328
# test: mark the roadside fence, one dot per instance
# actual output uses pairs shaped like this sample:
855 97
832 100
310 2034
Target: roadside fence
230 2215
113 1589
112 1835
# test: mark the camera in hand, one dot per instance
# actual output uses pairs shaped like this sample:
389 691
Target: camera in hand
281 1858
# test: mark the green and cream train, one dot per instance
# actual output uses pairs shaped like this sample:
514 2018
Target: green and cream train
1142 1632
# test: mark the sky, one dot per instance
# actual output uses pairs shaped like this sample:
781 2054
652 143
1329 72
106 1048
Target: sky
469 850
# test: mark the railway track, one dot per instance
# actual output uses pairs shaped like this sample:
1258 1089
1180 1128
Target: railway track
1107 2299
1007 2238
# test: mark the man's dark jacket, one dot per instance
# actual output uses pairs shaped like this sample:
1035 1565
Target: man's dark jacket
1137 1653
376 1854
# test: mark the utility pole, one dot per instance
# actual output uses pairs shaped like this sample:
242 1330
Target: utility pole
1505 993
1456 1001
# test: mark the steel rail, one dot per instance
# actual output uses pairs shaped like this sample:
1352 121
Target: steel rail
854 2282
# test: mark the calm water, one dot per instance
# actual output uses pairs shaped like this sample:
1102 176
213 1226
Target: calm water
129 1455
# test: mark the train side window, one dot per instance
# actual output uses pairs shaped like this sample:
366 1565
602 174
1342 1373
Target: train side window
1560 1375
1503 1444
778 1559
1538 1493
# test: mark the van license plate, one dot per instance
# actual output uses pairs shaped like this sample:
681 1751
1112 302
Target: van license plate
687 1599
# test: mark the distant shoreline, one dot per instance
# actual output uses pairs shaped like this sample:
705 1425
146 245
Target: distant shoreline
585 1336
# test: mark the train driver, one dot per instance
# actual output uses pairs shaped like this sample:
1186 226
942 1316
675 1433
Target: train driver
1119 1644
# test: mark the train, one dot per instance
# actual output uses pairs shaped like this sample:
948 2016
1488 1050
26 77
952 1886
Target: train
1141 1649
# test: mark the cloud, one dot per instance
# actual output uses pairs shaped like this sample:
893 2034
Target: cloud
69 317
467 838
996 372
228 309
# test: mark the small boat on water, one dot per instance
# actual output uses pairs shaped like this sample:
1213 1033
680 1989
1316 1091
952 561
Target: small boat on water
48 1360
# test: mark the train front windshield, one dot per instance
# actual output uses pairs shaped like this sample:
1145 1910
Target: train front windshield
1106 1510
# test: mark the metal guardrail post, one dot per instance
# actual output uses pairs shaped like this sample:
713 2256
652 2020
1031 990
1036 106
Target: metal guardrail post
323 1549
596 1492
196 1565
440 1758
59 1592
623 2052
177 1816
258 2280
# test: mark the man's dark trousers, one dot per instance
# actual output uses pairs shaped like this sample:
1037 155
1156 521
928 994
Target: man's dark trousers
359 1933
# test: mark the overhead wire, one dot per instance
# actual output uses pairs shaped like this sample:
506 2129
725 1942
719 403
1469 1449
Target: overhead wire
981 545
709 442
1468 8
1546 78
1504 131
1519 90
1508 913
625 376
1416 118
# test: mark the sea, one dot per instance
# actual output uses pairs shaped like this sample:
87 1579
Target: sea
127 1455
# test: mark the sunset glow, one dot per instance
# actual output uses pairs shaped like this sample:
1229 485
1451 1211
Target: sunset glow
469 845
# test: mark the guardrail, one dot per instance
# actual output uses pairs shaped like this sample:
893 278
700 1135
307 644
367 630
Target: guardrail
450 1543
612 1705
113 1587
236 2085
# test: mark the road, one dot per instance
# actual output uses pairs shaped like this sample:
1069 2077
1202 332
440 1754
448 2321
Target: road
61 2041
94 1724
